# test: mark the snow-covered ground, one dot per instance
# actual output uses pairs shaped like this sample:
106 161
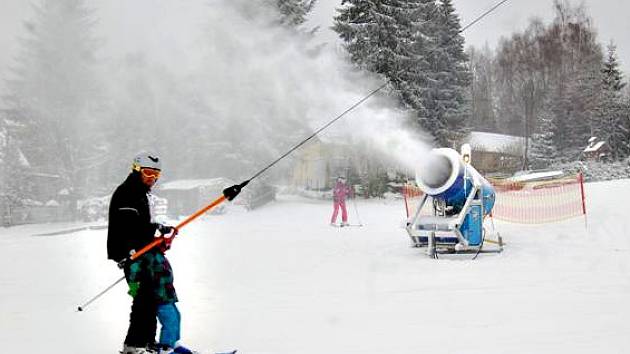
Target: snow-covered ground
280 280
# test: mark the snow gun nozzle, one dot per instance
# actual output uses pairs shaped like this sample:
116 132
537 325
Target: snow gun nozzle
231 192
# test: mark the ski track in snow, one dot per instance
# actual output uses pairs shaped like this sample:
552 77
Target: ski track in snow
280 280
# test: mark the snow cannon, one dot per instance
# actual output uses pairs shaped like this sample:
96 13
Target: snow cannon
461 199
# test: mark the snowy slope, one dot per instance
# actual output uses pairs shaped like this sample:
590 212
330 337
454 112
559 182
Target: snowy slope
279 280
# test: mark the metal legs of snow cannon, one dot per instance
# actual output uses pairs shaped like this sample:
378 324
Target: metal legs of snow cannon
462 233
431 251
460 200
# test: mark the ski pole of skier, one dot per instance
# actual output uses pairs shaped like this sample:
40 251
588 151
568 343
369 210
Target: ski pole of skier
87 303
356 211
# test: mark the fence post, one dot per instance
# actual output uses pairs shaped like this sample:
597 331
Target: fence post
581 179
405 194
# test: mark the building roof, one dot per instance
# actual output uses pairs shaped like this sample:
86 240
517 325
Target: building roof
493 142
526 176
594 147
187 184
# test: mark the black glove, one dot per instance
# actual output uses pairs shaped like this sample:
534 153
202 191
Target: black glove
168 233
165 229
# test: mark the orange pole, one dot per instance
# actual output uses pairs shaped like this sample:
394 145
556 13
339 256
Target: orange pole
200 212
192 217
405 195
581 179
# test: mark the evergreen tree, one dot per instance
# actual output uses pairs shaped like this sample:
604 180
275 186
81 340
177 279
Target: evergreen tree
14 188
543 152
612 115
416 46
447 102
482 89
294 12
612 76
392 38
583 95
379 35
3 166
53 90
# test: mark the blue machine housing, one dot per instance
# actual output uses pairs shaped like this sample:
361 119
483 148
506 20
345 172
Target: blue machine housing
458 192
447 178
472 227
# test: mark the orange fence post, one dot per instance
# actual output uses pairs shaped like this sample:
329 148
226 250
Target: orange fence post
405 196
581 179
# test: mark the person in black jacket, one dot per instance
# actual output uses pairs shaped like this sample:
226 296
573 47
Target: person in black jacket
130 229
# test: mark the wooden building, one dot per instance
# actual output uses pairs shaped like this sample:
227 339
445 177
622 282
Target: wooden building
494 153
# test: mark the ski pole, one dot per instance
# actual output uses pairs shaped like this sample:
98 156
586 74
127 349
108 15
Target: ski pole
356 211
82 307
228 194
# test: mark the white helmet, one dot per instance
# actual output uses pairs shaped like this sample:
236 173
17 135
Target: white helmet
146 160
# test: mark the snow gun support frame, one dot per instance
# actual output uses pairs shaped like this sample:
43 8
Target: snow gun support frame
461 199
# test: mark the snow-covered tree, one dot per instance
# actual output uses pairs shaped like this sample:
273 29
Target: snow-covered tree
379 35
14 188
542 151
393 38
482 89
294 12
447 101
53 90
612 115
612 76
584 94
558 62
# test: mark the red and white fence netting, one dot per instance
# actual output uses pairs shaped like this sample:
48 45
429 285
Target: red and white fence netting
528 202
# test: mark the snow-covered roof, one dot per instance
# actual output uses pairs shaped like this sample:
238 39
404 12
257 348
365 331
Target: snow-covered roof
594 147
535 176
23 161
493 142
187 184
52 203
43 175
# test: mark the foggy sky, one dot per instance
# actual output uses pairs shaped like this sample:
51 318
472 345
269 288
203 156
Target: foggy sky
122 22
609 16
244 71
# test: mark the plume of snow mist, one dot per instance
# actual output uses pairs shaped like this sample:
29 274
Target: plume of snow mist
238 89
287 85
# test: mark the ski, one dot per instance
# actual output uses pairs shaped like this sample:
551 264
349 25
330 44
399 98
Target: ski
230 352
349 225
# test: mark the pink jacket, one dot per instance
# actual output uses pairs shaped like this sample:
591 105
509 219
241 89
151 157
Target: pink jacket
341 192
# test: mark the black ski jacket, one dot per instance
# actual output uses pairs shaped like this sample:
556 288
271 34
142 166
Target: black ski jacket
130 226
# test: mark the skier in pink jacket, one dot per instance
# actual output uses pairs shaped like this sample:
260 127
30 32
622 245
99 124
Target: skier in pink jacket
340 192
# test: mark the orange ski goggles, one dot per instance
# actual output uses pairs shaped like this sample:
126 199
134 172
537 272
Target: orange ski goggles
150 173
